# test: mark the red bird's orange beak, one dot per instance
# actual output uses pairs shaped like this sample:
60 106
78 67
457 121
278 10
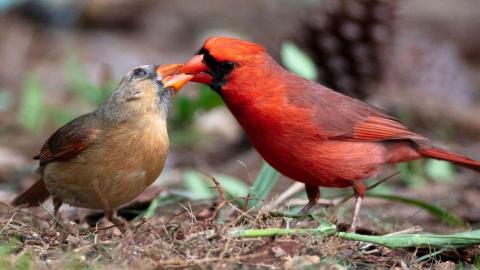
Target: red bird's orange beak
196 67
176 81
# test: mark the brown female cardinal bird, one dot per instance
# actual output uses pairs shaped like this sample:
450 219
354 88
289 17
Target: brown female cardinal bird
105 158
303 129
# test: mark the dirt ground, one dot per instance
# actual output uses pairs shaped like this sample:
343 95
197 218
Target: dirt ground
185 234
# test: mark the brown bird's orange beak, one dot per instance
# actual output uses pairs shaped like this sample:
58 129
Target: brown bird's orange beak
176 81
166 74
196 67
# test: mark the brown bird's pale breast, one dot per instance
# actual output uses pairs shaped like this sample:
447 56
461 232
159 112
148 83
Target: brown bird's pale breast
107 175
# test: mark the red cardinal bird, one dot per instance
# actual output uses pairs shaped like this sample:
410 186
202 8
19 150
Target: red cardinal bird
303 129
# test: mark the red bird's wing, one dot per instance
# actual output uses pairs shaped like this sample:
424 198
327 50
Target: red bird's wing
379 127
343 118
69 140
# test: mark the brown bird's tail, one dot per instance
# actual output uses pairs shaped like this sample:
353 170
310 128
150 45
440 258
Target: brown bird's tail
442 154
33 196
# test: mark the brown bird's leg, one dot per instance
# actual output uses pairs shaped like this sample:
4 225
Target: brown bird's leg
313 194
57 203
122 225
109 213
359 189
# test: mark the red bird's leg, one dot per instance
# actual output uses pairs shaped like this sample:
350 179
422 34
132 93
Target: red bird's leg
313 194
359 189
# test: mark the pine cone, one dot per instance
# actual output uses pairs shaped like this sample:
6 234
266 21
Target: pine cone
349 40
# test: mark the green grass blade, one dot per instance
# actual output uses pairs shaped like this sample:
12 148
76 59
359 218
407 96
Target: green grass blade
262 186
392 241
325 228
444 215
463 239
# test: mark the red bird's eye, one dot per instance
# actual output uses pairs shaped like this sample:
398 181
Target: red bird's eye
226 67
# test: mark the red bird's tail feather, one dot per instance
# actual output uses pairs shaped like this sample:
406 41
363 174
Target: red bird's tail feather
441 154
33 196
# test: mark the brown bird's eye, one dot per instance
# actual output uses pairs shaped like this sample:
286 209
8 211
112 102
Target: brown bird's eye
226 67
139 73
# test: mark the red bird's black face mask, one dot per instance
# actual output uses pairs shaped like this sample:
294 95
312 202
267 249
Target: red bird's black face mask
206 69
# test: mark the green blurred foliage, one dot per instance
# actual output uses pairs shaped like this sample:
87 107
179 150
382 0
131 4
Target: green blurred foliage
186 108
476 262
197 185
298 62
83 88
24 262
10 260
419 172
60 116
202 187
412 173
32 113
439 170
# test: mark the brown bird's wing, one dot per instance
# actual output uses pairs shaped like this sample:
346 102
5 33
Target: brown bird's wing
65 143
69 140
343 118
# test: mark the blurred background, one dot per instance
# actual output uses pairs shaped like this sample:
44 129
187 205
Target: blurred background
417 59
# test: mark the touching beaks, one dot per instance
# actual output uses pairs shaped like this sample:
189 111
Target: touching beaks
166 74
196 67
167 70
176 81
